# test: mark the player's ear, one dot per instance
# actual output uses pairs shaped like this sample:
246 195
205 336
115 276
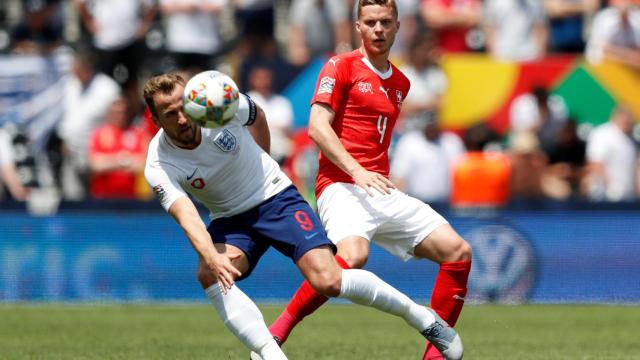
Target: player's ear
358 26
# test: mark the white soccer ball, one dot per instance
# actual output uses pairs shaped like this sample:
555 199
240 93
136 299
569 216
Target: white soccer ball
210 99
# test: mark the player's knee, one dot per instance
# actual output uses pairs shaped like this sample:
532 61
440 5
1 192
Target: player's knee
355 261
327 284
205 277
462 251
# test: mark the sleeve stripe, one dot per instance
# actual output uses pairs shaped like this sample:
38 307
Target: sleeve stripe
253 111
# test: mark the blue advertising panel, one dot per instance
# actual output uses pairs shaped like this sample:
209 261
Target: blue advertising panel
550 256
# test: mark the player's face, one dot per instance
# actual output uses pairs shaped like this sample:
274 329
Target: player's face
182 131
377 27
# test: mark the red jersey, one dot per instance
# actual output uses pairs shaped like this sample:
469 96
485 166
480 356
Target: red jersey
366 103
454 39
108 139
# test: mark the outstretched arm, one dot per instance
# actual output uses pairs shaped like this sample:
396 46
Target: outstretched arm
321 132
260 130
187 216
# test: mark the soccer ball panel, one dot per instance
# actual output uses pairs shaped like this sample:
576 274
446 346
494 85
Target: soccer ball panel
210 99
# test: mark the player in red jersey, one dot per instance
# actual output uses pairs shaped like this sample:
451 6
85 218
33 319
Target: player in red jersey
357 101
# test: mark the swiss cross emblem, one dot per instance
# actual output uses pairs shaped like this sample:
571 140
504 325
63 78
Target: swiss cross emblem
226 141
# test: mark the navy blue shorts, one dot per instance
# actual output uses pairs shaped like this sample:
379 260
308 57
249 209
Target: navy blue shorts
284 221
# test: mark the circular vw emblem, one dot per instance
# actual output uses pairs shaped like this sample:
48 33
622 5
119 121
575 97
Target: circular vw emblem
503 268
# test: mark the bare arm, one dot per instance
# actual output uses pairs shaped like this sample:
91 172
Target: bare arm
298 51
9 176
121 161
321 132
148 14
438 17
562 8
342 29
87 19
186 215
623 55
541 33
260 131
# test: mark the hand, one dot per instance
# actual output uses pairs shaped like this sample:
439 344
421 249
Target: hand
369 179
224 271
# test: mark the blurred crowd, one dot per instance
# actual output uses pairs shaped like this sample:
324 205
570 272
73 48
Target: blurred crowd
98 147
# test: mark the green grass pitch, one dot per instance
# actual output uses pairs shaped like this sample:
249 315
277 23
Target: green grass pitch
335 332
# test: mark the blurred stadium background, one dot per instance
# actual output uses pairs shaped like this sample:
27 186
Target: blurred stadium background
549 229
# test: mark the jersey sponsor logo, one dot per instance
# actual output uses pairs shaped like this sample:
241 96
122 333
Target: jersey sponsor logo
385 91
365 87
326 85
198 183
192 174
160 193
334 61
226 141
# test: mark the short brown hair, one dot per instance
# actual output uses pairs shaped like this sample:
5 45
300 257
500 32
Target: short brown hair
388 3
164 84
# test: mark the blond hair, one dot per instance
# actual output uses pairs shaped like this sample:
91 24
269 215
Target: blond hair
164 84
387 3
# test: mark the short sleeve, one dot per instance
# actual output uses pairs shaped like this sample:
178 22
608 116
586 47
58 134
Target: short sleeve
164 186
331 84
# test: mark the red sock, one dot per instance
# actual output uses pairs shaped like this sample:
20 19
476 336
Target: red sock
448 296
304 302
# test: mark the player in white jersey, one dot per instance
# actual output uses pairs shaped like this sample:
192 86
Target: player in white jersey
253 206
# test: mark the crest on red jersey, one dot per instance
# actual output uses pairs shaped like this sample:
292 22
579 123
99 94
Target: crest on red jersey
399 97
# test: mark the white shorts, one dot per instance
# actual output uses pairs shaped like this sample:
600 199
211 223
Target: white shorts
396 222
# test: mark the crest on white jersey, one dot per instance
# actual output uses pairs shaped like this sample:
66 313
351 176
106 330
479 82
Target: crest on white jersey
326 85
226 141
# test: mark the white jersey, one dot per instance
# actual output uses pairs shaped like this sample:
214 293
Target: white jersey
228 172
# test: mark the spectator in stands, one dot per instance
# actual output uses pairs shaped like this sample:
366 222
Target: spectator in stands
408 15
615 34
9 176
516 30
452 21
481 177
278 111
186 23
612 156
428 83
541 113
117 153
528 165
568 19
118 28
88 96
567 159
422 161
40 31
256 22
318 28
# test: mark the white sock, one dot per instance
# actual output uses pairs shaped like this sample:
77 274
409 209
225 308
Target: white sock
244 319
364 288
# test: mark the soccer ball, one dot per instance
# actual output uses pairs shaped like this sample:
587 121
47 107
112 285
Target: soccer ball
210 99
